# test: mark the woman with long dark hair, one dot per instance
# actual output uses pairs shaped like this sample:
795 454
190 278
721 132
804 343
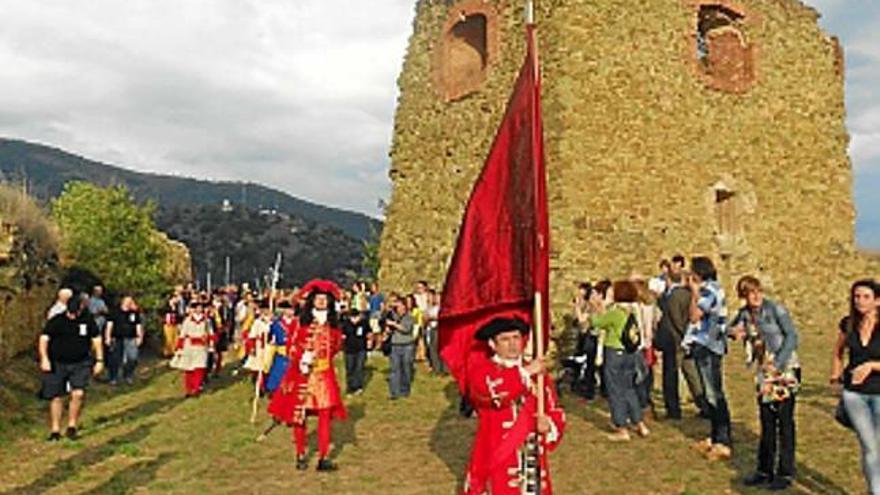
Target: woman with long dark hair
860 339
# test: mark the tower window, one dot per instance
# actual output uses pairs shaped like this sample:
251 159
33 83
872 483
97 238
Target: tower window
723 54
466 50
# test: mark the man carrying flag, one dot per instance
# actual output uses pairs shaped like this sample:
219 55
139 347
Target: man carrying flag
512 441
495 294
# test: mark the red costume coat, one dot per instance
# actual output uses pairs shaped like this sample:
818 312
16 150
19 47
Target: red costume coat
304 393
506 406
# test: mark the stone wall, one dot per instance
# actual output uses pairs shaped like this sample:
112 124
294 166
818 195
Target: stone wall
29 274
670 128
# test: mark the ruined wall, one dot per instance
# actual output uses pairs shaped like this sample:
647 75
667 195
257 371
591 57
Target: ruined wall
695 127
178 260
29 271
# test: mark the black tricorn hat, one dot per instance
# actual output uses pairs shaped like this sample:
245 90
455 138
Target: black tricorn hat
284 304
501 325
264 304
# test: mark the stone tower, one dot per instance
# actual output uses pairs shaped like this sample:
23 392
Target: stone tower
684 126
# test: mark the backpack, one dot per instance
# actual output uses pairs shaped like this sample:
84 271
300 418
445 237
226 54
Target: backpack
631 336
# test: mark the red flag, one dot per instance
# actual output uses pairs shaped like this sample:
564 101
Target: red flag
501 258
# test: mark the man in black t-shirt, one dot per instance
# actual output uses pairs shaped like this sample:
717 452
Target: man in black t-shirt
66 364
356 328
124 335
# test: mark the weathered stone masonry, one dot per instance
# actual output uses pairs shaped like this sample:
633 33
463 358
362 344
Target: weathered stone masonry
700 127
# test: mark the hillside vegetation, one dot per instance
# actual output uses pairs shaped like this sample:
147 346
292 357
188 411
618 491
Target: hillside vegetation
251 239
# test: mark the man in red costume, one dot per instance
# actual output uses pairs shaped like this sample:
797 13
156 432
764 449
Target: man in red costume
309 387
510 449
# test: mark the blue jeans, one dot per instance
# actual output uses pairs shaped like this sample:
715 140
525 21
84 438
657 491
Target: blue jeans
433 340
122 353
402 359
709 366
864 412
619 376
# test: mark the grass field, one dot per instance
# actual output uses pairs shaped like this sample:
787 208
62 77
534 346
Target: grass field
146 439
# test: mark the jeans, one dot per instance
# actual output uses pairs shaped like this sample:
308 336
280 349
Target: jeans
777 421
864 412
402 358
711 376
433 339
674 361
122 353
620 378
354 370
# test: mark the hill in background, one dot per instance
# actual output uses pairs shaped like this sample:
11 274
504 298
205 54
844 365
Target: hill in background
47 169
256 223
251 239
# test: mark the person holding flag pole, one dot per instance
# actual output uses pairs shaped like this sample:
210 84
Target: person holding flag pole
496 293
260 330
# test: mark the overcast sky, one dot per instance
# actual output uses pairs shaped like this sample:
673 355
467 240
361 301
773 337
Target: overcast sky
295 94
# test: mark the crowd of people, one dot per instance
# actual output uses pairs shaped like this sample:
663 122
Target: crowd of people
677 321
680 319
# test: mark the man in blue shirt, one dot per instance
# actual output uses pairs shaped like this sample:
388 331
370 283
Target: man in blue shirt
706 342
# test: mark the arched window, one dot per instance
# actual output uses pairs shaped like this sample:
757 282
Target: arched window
725 59
466 50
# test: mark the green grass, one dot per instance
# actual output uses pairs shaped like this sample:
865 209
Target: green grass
147 439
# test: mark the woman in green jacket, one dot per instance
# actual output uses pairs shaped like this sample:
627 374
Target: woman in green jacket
619 369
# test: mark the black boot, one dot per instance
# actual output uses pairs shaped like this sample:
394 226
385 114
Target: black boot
756 478
71 433
780 483
302 463
326 465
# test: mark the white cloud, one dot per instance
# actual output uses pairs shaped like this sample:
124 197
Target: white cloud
299 95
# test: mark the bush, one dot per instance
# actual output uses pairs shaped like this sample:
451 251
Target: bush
105 232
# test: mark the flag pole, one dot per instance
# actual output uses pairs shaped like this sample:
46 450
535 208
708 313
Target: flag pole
538 314
264 341
538 347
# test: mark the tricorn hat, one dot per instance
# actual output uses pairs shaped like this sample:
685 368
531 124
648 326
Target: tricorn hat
502 325
319 286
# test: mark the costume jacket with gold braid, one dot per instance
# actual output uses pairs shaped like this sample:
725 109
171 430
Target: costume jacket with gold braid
310 382
508 456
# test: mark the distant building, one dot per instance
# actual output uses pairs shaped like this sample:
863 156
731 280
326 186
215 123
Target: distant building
227 206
